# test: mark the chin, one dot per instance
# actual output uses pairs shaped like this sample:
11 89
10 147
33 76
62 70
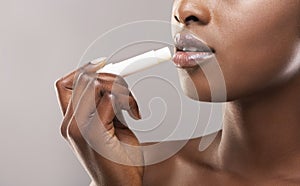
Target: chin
197 86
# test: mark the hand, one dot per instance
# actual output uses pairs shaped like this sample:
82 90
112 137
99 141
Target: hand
90 104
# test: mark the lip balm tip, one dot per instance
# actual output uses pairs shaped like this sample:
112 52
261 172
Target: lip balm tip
163 54
138 63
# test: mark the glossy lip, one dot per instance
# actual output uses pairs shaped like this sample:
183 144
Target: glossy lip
190 50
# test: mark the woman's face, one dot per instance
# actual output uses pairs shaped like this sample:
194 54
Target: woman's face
256 42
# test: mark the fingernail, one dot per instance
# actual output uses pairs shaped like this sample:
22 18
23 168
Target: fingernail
98 60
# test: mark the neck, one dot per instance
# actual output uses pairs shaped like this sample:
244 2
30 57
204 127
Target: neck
263 132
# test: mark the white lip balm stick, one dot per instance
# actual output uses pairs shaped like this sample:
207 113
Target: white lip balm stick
138 63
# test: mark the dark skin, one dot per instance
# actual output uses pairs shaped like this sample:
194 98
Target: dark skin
77 100
257 44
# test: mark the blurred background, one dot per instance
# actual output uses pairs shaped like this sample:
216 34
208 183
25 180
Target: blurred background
40 41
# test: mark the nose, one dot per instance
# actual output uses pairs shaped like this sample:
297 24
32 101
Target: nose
190 12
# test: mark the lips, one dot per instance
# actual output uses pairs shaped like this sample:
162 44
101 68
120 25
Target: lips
190 50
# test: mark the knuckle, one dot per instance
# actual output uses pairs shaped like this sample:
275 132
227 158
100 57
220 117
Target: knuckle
58 83
61 84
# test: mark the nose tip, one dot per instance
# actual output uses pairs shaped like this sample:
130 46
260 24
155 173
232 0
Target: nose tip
189 12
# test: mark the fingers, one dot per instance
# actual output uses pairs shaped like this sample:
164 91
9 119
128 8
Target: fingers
95 65
128 103
86 101
101 85
97 96
64 91
84 81
113 87
64 85
113 78
97 99
107 111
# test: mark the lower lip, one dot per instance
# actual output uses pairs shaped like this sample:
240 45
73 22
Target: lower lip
190 59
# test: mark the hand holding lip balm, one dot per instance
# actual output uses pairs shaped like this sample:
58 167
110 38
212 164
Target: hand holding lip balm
138 63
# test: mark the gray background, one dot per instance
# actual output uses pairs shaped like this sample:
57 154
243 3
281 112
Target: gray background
39 42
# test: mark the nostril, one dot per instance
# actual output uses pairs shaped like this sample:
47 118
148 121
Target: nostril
191 19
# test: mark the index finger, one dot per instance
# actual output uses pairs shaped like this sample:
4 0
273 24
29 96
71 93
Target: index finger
64 86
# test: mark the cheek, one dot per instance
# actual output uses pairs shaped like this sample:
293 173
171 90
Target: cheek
257 51
255 71
243 73
256 47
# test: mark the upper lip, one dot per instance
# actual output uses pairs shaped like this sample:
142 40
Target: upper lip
188 42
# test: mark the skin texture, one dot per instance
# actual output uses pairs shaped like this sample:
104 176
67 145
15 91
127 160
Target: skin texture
83 96
257 44
254 41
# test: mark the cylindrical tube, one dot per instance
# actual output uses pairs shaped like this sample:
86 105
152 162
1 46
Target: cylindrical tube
138 63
